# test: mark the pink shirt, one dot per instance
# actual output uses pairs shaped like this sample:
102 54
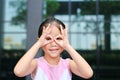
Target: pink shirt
45 71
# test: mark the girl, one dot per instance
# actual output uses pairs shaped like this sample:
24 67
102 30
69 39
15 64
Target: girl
53 39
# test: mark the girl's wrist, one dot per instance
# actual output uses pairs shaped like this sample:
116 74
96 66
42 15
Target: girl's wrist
67 47
38 44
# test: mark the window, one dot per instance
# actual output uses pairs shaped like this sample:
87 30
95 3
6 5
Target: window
14 31
86 26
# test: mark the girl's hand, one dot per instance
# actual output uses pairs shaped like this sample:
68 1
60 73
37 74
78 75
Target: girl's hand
45 37
62 40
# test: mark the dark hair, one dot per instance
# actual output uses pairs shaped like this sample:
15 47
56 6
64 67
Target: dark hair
48 21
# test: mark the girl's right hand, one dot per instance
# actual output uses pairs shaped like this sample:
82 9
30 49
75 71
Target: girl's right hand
62 39
45 37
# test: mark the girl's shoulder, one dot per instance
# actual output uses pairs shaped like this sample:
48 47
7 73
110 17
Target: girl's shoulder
65 62
40 59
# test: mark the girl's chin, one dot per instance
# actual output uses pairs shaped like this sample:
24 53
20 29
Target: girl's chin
54 54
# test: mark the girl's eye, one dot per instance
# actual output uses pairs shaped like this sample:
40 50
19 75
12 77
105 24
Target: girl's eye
59 38
48 38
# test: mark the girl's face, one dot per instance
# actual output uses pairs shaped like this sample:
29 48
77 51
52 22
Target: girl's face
53 49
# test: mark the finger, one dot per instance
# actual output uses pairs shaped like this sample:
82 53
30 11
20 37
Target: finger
61 29
65 31
56 41
48 29
43 29
59 37
48 41
49 37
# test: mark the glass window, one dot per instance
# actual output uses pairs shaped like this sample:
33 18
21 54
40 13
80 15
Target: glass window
82 19
14 41
81 27
14 24
115 32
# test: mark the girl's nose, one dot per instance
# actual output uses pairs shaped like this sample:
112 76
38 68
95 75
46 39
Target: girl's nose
53 43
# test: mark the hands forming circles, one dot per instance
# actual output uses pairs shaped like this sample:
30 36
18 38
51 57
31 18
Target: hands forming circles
61 39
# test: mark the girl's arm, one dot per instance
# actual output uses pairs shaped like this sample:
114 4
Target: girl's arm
27 64
78 65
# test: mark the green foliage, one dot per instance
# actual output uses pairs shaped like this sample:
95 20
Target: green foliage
21 10
52 6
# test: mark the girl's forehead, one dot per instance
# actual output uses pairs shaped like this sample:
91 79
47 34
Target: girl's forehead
54 31
55 24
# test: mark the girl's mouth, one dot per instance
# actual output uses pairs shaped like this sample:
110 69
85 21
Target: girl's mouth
53 50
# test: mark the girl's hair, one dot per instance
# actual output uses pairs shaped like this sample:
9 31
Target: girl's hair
48 21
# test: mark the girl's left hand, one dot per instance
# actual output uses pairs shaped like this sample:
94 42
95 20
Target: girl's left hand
62 39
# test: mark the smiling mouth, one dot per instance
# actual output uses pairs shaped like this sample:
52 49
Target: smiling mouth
53 50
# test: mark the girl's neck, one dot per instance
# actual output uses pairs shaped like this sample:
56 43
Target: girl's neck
52 61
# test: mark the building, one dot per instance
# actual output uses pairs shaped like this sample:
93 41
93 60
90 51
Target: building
93 28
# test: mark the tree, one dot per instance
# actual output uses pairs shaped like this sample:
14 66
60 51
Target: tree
21 10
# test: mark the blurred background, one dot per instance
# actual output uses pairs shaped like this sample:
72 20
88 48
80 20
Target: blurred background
94 31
